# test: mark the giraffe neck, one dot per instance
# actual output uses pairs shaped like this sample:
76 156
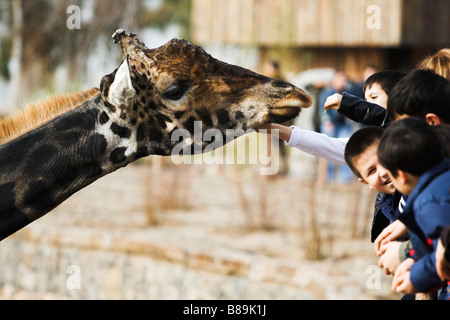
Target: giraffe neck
45 166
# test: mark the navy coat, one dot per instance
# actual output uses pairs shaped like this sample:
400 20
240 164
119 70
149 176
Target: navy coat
426 214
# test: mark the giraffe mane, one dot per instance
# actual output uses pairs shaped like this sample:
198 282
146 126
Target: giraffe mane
37 114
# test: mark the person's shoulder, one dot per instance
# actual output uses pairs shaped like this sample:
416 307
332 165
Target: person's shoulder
441 182
437 191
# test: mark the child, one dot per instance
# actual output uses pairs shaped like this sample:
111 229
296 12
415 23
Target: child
438 62
361 157
412 152
423 94
443 255
372 111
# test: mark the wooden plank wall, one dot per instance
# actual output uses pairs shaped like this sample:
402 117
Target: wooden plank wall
303 34
352 60
295 22
426 23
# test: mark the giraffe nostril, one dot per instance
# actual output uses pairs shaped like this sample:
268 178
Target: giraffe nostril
281 84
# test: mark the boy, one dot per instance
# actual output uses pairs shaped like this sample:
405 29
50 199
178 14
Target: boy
361 157
376 90
412 152
423 94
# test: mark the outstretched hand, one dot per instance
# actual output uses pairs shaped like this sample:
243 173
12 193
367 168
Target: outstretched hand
333 102
266 127
284 132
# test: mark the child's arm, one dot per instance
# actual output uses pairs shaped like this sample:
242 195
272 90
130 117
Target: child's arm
432 218
317 144
423 274
284 132
357 109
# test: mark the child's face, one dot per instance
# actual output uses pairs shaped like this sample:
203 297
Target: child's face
376 95
373 173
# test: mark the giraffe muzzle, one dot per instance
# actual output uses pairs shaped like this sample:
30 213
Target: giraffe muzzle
290 106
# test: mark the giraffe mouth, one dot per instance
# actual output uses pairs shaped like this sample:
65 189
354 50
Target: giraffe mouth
285 110
282 114
288 108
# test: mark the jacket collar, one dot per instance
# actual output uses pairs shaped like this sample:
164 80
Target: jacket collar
407 217
424 180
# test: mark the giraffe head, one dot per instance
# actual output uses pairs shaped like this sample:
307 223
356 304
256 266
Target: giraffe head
157 91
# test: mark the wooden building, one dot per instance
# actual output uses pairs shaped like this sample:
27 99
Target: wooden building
349 34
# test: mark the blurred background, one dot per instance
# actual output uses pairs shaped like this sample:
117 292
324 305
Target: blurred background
156 230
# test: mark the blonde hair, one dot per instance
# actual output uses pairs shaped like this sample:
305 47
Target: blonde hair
438 62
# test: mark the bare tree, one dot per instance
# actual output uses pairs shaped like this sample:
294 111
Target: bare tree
41 40
108 16
38 39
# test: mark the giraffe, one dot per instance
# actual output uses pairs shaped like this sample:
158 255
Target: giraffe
151 94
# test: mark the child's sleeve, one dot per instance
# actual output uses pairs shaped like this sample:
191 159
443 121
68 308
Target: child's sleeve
362 111
423 273
433 219
318 144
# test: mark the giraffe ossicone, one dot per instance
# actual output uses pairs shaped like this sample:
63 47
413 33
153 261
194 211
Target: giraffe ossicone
151 94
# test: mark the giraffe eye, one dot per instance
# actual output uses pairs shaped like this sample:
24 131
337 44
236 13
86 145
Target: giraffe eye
175 91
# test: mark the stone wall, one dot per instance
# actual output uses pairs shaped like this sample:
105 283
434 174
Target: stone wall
139 270
97 245
94 264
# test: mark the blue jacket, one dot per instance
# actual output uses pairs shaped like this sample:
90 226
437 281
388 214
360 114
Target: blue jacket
390 205
387 210
426 214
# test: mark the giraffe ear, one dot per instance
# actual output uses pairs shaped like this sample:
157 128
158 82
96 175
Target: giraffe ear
121 90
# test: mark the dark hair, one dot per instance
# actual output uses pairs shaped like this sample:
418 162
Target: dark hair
443 132
386 79
420 92
410 145
358 143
